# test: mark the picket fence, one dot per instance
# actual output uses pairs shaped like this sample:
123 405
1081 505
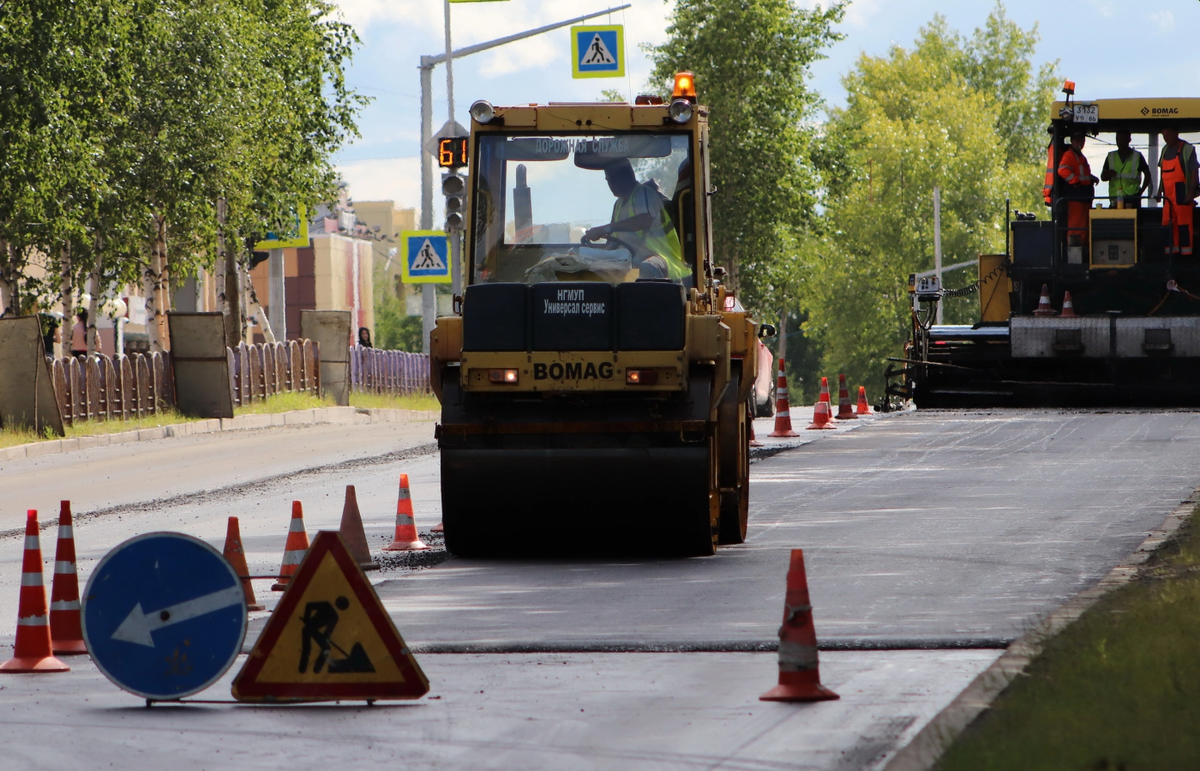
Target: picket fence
388 372
103 387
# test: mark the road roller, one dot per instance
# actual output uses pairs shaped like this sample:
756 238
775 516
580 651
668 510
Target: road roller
593 386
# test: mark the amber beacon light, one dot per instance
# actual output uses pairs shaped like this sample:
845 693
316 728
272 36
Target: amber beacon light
685 86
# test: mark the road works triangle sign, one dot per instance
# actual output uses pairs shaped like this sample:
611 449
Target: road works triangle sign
426 257
329 638
598 52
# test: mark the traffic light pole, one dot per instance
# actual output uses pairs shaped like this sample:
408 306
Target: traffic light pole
428 297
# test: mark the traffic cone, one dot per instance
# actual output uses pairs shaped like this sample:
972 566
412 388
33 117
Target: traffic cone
750 427
406 538
845 408
294 549
799 675
236 556
66 626
353 533
1044 308
438 528
1068 311
821 412
863 407
33 649
783 415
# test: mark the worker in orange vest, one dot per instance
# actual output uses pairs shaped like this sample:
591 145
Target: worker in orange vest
1178 190
1074 170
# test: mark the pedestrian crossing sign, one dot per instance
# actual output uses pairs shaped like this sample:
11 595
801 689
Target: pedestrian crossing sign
426 257
598 52
329 638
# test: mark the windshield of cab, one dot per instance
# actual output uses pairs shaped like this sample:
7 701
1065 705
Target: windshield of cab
616 207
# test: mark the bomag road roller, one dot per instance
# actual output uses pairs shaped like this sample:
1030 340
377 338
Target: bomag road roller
593 388
1131 332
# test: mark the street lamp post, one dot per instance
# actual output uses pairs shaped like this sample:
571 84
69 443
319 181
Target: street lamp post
428 298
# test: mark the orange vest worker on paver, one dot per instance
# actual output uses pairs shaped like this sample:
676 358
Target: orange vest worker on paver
1178 164
1075 171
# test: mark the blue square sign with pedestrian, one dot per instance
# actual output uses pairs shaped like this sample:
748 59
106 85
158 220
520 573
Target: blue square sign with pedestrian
598 51
425 257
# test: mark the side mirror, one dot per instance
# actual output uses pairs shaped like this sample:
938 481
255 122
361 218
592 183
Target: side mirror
719 273
765 331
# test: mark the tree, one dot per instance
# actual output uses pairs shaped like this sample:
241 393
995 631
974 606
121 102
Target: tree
751 61
962 115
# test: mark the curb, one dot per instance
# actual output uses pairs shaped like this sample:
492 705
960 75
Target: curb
317 416
926 748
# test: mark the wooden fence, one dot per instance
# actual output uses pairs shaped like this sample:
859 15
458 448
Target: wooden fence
388 372
113 387
265 369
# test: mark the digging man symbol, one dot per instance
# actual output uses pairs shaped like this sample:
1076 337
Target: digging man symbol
319 620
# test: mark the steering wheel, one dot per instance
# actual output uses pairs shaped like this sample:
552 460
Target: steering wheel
611 243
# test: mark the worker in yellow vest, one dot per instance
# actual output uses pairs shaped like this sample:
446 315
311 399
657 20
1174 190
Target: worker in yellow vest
641 220
1126 172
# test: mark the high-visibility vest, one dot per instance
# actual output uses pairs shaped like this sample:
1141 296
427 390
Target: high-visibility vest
1074 168
1125 173
1174 174
1048 187
661 240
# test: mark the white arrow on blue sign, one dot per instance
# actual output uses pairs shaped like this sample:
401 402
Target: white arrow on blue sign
164 615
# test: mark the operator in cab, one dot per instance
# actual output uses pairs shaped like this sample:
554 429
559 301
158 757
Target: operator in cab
1126 172
1178 191
1074 170
641 221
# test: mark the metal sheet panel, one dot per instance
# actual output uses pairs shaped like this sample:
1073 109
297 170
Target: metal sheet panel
27 397
331 330
201 367
1034 337
1185 335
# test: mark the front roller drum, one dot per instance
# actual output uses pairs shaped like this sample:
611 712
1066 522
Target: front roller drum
580 501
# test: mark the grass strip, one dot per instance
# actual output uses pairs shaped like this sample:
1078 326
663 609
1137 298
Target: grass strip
367 401
1118 690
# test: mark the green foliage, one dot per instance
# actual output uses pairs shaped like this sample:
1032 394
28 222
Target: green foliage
751 61
957 114
122 117
395 330
1119 688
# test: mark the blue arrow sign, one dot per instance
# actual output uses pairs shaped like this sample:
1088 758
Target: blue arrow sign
164 615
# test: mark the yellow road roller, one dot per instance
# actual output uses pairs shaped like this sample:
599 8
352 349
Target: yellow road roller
593 387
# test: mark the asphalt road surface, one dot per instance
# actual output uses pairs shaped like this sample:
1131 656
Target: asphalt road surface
931 538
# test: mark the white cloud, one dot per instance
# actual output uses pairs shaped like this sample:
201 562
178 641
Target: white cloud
1104 7
388 179
533 53
860 12
1164 19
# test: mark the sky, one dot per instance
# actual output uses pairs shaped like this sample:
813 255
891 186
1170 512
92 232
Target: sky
1109 48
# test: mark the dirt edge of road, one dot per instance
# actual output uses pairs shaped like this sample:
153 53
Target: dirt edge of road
927 747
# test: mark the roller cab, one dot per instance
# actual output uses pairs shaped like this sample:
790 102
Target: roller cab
593 390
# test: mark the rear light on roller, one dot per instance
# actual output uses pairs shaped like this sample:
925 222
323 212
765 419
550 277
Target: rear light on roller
503 376
647 377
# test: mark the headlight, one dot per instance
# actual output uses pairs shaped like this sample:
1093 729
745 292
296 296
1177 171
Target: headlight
680 111
482 111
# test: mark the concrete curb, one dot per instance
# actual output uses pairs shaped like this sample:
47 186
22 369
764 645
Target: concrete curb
927 746
319 416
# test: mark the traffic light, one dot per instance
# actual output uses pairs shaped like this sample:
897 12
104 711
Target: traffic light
454 187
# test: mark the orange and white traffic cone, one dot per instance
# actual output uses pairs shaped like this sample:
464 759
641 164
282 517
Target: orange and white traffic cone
1044 308
753 442
294 549
66 625
33 651
845 408
783 415
438 528
236 555
822 410
863 407
1068 311
406 538
799 675
353 532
